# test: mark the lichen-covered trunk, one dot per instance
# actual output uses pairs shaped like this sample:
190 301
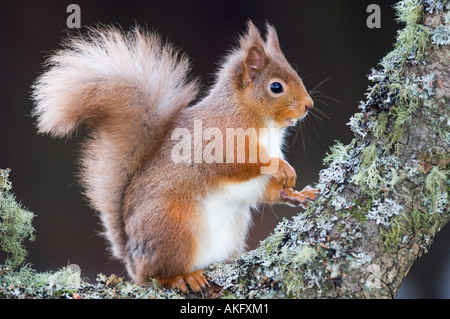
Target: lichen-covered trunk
385 195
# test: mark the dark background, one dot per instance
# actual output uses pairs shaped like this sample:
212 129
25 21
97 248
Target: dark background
323 39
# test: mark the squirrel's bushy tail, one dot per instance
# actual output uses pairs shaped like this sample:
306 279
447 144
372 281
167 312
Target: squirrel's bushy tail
125 87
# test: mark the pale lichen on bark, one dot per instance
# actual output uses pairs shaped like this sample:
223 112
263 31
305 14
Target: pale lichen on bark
386 193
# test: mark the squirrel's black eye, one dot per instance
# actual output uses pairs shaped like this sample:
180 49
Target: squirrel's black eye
276 87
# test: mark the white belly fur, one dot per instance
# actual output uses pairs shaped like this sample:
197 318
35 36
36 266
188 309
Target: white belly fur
227 212
227 217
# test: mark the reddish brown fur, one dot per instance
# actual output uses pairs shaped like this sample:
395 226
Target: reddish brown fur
149 204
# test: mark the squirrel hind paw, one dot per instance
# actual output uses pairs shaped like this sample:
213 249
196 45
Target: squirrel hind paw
196 281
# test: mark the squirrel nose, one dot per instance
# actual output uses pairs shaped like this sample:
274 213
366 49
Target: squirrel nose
309 104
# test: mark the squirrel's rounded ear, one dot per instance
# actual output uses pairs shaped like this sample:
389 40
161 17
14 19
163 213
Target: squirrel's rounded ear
253 63
253 46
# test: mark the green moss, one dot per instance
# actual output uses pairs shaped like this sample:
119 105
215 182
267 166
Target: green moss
410 47
417 223
380 127
405 105
5 184
415 40
368 156
272 242
436 189
304 256
359 210
390 236
421 221
436 181
369 178
409 11
15 224
293 273
412 40
27 282
338 152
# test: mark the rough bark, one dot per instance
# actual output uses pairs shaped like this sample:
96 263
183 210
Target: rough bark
385 194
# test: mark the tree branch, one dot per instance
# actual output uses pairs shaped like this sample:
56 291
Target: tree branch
386 193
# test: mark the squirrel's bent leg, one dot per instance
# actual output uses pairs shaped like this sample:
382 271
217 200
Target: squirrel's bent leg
162 248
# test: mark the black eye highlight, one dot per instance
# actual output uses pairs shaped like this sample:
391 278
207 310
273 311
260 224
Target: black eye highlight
276 87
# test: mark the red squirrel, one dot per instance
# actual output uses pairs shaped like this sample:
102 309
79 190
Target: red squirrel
168 218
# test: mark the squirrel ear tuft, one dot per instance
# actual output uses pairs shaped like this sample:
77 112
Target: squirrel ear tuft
272 38
251 38
253 45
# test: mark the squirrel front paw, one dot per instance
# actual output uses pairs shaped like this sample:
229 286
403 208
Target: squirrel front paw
285 174
296 198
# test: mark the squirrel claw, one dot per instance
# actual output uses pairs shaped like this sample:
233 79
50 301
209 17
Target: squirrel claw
196 281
